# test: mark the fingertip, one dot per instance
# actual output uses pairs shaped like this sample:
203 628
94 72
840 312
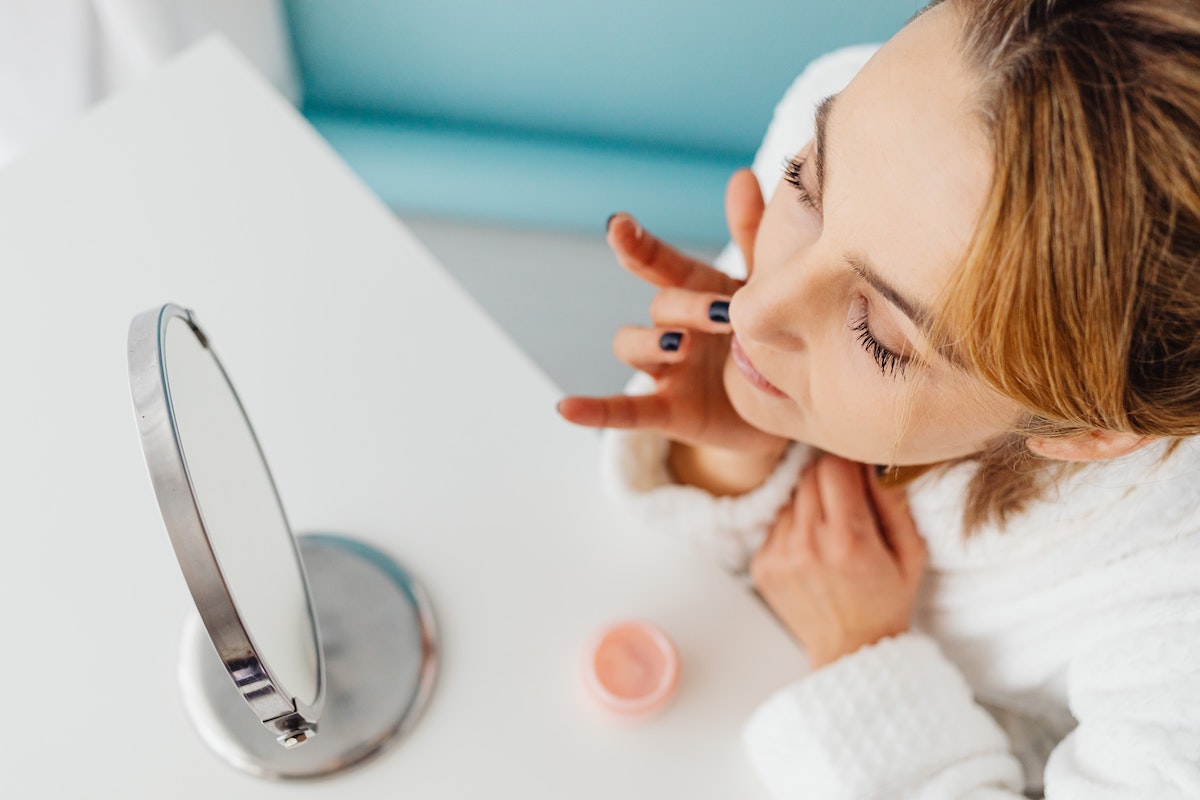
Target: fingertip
718 312
894 495
739 182
620 225
876 474
872 473
744 208
624 224
743 196
891 502
611 225
670 341
569 408
837 468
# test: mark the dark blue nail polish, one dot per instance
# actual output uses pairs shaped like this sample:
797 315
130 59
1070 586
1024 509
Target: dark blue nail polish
608 222
719 311
670 341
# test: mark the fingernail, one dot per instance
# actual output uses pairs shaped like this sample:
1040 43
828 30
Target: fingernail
608 222
670 341
719 311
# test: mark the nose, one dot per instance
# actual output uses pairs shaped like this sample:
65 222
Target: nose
772 309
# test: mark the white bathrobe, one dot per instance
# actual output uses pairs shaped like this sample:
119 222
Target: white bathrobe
1061 654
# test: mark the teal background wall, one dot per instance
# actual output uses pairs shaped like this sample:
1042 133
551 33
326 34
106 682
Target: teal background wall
556 114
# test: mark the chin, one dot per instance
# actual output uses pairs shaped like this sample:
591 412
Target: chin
751 405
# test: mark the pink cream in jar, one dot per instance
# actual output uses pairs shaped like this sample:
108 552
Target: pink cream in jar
632 668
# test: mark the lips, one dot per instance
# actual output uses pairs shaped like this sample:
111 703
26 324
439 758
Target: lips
751 374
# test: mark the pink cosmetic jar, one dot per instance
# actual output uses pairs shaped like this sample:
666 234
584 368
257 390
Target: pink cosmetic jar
631 668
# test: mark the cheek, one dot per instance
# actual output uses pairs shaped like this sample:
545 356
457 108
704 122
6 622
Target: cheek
951 420
869 418
855 409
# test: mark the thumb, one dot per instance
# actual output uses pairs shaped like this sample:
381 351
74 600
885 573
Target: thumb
743 212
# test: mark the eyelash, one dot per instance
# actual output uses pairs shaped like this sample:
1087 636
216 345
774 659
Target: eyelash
890 363
791 174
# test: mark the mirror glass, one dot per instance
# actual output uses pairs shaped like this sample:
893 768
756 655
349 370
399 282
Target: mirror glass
328 640
238 504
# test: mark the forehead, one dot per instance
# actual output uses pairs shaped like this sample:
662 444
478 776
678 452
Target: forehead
908 161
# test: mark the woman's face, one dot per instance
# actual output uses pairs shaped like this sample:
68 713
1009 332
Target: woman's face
847 266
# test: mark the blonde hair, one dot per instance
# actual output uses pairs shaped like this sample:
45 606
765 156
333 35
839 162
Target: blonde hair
1079 297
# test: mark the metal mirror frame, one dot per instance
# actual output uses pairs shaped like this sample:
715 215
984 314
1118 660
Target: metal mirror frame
292 721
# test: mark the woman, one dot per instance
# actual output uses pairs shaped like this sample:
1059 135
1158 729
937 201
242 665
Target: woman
984 273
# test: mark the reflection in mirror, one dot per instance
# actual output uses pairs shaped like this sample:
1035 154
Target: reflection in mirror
245 524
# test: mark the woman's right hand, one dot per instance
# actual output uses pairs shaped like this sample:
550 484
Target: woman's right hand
689 405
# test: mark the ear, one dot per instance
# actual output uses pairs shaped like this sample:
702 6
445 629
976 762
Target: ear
1090 446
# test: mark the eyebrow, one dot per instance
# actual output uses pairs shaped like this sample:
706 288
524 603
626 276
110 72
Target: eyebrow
859 263
824 111
912 309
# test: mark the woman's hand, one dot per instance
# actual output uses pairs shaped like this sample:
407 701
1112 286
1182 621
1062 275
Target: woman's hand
842 563
689 404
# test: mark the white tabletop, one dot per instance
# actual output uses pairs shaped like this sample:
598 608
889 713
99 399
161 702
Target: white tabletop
390 408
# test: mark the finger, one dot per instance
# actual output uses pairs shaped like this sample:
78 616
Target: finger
808 511
848 521
651 350
807 498
780 527
843 491
618 411
891 506
655 261
763 560
743 212
683 308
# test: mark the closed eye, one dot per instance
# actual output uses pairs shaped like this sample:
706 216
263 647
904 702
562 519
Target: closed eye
792 174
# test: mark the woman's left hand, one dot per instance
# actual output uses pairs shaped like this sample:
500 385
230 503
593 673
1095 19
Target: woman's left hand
842 562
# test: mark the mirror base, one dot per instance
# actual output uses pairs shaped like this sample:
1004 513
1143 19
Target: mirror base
379 639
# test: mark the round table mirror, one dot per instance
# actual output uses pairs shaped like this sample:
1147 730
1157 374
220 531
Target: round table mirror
306 654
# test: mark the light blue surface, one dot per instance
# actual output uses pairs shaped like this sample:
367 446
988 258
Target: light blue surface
580 103
532 181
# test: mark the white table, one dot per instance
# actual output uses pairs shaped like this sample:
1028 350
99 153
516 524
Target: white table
390 408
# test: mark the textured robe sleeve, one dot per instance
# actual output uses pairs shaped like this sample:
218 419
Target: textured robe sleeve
1136 694
897 720
892 720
